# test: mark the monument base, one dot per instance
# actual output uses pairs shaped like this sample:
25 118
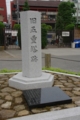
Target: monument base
24 83
46 97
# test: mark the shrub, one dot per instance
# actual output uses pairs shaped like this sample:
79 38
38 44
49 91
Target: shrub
69 27
1 34
43 35
16 26
48 27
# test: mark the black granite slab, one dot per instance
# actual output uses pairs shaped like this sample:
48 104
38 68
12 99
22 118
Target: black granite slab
45 97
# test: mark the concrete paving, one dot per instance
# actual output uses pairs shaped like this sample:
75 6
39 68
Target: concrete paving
64 58
62 51
66 114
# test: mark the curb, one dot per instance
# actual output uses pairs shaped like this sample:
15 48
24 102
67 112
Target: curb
66 114
62 73
49 72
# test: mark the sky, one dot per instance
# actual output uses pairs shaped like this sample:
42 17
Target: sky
8 6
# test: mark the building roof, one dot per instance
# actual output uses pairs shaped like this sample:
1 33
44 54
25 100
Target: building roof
39 3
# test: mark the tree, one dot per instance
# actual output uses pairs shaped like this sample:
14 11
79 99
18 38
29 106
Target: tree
44 29
59 23
69 27
26 6
65 15
48 27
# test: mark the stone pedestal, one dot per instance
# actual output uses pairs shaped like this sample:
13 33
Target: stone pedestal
31 76
25 83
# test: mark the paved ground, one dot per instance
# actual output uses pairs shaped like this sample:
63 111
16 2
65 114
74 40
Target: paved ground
13 103
65 58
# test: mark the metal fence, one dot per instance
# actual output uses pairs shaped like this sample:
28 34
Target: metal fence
11 40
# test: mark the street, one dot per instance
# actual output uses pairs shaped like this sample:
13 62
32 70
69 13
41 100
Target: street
64 58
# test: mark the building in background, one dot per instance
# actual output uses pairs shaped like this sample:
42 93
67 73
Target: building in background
77 7
3 11
48 10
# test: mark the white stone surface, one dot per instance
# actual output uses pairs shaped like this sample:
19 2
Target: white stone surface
66 114
24 83
31 76
31 43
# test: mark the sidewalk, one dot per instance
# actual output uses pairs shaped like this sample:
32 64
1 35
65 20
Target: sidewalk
62 51
4 55
10 55
65 52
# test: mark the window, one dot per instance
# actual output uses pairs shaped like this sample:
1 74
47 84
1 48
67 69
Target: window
1 9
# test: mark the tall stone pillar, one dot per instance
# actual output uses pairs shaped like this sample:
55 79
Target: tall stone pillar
31 76
31 44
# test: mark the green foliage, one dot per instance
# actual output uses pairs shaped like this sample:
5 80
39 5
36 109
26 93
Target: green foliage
62 71
69 27
17 27
59 23
26 6
44 29
1 34
2 25
48 27
65 16
78 26
9 71
50 69
43 35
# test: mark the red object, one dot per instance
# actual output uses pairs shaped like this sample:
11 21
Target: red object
3 10
46 6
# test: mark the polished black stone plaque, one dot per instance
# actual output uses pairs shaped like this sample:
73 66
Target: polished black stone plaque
46 96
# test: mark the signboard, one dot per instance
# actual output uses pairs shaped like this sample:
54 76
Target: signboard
13 32
65 33
6 31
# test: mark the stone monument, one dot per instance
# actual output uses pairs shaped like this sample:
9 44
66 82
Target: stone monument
31 76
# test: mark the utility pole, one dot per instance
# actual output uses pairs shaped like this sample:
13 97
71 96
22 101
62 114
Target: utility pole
18 11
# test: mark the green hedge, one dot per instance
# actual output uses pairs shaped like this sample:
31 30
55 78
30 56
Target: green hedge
1 34
43 36
69 27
